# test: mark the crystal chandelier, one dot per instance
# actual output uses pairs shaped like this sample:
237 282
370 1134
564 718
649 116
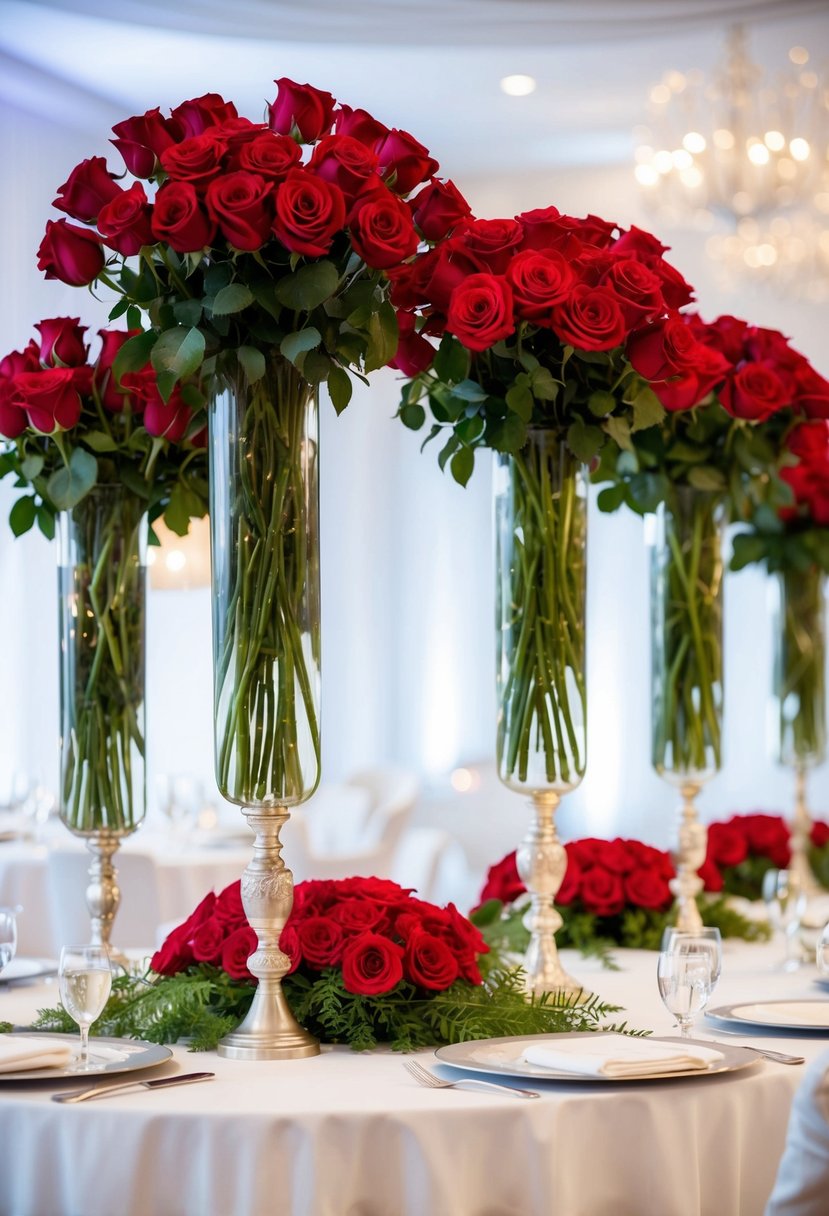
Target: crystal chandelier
745 159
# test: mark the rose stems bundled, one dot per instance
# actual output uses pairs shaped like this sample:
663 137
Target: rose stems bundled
687 636
267 636
800 684
102 591
541 686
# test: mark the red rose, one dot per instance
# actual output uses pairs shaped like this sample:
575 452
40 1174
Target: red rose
381 890
142 139
61 341
289 945
590 319
414 354
69 253
493 241
432 278
270 156
768 836
438 208
539 281
112 340
480 311
125 221
357 915
635 242
359 124
345 161
199 915
179 218
89 186
811 392
13 420
50 398
712 879
208 941
321 941
371 965
229 908
638 290
430 963
174 955
647 889
404 162
617 858
570 888
503 881
587 852
197 160
309 213
166 419
236 951
382 231
241 204
754 392
728 334
201 113
727 844
819 834
645 856
541 227
303 108
602 893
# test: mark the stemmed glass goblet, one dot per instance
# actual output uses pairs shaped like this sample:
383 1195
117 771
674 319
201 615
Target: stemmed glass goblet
822 952
688 969
85 980
786 902
8 936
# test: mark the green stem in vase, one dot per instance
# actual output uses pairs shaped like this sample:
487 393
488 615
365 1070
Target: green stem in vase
687 635
266 572
541 559
102 594
800 667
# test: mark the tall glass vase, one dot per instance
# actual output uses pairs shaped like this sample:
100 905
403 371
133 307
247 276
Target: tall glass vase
687 668
541 537
799 695
102 611
264 513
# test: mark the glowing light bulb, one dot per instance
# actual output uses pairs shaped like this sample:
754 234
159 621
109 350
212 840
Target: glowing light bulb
694 142
518 86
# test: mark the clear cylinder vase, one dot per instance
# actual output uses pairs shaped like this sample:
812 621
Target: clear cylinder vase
102 614
687 669
541 546
264 518
102 545
541 745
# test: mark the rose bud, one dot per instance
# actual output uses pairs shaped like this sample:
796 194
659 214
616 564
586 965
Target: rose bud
69 253
197 115
301 108
179 219
61 341
359 124
166 420
107 387
125 222
50 398
86 190
438 209
404 162
142 139
414 354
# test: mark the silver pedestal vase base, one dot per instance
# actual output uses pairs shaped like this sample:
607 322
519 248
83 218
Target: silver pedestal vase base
687 858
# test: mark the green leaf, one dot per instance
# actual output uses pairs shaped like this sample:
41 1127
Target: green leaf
704 477
22 515
134 354
382 337
134 317
183 504
100 441
452 444
252 362
32 467
470 429
452 360
583 441
188 312
544 385
463 465
216 277
180 351
619 431
520 401
611 498
648 410
67 486
412 416
509 435
339 388
119 309
295 346
469 390
46 522
601 403
166 382
231 299
308 287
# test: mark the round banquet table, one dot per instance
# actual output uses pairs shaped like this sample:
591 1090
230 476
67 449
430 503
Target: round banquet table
348 1133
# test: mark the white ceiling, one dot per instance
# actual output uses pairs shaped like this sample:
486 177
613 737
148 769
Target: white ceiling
593 60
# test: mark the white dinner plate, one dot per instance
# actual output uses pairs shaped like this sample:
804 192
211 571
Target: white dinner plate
810 1014
139 1054
502 1057
28 969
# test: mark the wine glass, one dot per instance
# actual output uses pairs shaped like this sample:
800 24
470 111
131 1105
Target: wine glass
85 980
786 903
822 952
687 972
8 936
706 935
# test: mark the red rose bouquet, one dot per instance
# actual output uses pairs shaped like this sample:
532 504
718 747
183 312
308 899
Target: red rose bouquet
741 849
259 252
615 892
369 962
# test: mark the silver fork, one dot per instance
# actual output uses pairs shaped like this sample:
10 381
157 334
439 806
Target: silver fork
424 1077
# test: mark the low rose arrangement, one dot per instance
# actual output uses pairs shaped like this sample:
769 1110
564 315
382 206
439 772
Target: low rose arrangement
614 893
741 849
370 962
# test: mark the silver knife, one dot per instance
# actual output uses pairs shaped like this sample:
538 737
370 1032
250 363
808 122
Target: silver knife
103 1091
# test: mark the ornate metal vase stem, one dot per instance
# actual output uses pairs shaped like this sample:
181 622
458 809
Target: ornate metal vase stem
687 858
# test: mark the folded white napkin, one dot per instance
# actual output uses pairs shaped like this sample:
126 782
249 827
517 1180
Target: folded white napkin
19 1054
619 1055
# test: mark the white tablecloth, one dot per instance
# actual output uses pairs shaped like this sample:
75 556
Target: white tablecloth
347 1133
